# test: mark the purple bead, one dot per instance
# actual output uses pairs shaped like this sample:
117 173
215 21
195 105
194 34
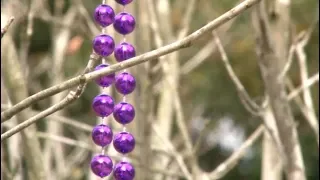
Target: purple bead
101 165
104 15
103 45
124 23
123 113
103 105
104 81
125 83
124 51
102 135
124 2
123 171
124 142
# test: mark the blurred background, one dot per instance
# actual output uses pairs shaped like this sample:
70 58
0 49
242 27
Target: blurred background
50 41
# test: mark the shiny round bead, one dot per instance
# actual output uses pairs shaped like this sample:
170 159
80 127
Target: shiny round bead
124 51
124 142
101 165
123 171
102 135
104 15
123 113
107 80
124 2
103 105
103 45
125 83
124 23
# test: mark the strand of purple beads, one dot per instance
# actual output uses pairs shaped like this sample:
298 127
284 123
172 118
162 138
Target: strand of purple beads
103 104
125 84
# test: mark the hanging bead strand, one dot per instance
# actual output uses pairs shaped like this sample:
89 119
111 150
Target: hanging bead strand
103 104
125 84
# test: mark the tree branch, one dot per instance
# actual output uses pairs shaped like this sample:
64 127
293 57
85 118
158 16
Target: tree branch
183 43
309 82
248 103
6 27
271 66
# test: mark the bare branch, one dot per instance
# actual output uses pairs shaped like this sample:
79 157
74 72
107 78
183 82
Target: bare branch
302 107
6 27
248 103
305 82
187 18
309 82
271 64
65 140
288 64
183 43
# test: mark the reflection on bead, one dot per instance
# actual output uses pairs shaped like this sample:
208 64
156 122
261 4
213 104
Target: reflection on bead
123 171
124 142
103 45
101 165
123 113
103 105
124 23
102 135
104 81
124 51
125 83
104 15
124 2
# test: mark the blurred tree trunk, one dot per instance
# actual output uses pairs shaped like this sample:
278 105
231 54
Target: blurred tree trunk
143 97
279 20
272 45
271 156
169 81
14 80
60 38
14 157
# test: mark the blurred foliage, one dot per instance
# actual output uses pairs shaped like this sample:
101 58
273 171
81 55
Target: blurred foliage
209 84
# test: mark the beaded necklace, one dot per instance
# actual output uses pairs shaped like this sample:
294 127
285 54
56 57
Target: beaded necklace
103 104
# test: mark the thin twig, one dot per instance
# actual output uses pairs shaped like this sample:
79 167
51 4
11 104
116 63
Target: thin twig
26 38
306 92
302 107
309 82
206 51
183 43
65 140
288 64
6 27
248 103
82 10
301 39
187 18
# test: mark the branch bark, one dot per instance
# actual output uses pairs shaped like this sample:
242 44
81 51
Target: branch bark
271 68
183 43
